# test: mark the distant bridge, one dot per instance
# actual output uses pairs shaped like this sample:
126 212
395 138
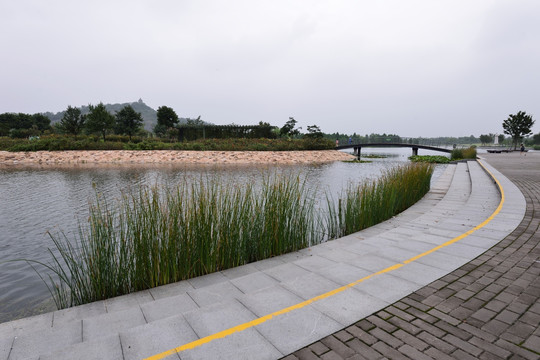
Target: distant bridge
358 147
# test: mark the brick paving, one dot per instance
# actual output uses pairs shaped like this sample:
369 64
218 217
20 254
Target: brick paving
487 309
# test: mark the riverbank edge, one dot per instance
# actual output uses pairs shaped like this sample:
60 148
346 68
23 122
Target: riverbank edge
170 157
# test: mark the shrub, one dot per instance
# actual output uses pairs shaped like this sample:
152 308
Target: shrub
433 159
468 153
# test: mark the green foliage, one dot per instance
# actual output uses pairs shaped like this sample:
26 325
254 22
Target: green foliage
154 236
128 122
517 126
73 121
486 139
288 129
119 142
166 118
536 139
41 121
148 114
99 120
432 159
313 132
23 125
467 153
195 131
364 205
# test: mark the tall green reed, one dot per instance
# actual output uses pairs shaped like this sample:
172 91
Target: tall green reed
158 235
371 202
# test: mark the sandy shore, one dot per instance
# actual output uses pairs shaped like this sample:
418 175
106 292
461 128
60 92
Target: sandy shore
170 157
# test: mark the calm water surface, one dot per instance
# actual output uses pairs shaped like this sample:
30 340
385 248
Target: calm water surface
37 200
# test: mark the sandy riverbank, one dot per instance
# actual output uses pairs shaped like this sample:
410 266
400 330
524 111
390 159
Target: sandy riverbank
171 157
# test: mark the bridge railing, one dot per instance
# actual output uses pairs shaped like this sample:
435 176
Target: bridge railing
394 140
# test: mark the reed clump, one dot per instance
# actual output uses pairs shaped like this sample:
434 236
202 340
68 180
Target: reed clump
363 205
466 153
157 235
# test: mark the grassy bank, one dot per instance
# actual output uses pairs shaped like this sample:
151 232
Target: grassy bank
455 155
117 142
154 236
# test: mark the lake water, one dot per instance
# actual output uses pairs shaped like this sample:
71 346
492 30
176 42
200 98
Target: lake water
35 200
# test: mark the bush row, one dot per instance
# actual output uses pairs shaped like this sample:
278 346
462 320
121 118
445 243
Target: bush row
58 143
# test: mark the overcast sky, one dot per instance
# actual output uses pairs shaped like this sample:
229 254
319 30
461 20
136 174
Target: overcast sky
409 67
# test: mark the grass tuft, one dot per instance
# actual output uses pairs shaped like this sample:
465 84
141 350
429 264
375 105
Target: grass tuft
156 235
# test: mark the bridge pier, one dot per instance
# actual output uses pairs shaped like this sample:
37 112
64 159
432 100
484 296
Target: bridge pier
357 150
415 151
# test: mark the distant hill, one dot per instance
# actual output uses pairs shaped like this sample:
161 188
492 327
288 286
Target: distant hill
148 114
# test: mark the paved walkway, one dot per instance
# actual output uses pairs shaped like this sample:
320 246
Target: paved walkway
274 307
489 308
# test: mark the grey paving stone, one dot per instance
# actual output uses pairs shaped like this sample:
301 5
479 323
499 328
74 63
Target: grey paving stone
286 272
349 305
310 285
110 324
20 326
5 346
314 263
268 263
102 349
166 307
157 337
343 273
214 293
298 328
218 317
31 344
387 287
446 261
419 273
251 343
269 300
65 316
533 343
253 282
173 289
339 255
372 263
207 280
239 271
128 301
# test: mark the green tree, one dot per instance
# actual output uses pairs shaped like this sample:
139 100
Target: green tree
42 122
536 139
195 122
8 121
501 138
99 120
24 121
73 121
288 129
517 126
166 119
314 132
128 121
486 139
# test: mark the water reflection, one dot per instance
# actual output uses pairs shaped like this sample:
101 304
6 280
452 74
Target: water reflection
35 200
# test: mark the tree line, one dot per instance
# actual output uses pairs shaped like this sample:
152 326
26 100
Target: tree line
128 122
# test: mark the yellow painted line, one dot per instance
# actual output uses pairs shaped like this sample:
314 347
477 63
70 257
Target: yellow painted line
263 319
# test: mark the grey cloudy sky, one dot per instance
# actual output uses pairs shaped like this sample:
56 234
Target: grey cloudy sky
415 67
